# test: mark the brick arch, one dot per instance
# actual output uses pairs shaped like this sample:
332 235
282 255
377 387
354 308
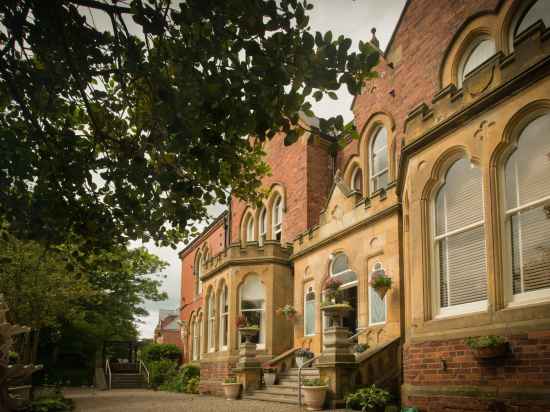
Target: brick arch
353 163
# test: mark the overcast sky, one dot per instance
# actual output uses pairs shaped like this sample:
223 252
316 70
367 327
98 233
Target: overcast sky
352 18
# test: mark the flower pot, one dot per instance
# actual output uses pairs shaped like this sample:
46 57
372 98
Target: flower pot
270 378
231 390
300 360
314 397
382 290
248 333
491 352
336 311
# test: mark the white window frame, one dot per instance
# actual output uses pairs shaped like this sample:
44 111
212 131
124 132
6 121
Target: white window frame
200 272
353 177
468 53
250 229
224 318
371 291
262 226
335 275
465 308
277 218
262 334
211 319
374 176
308 291
518 19
195 341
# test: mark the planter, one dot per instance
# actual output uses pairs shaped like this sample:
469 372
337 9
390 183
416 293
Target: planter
270 378
382 290
231 390
248 333
300 360
491 352
335 311
314 397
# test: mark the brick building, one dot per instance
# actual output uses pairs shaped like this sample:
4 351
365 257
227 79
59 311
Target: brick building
447 192
168 328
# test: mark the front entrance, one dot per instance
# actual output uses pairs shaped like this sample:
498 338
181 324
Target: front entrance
350 319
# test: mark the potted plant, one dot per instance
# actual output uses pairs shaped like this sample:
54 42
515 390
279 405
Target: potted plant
288 312
302 355
487 347
315 393
360 348
246 328
231 388
270 376
370 398
381 283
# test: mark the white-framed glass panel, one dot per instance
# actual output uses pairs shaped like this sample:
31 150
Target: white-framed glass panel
252 306
263 225
459 242
527 204
196 339
200 272
224 317
538 11
309 313
339 269
378 309
200 336
211 322
479 52
379 160
277 218
357 180
250 229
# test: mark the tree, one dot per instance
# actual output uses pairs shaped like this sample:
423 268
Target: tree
118 135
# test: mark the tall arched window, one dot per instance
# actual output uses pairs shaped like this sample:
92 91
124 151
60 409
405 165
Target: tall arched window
250 229
263 225
459 242
478 53
340 270
377 305
379 160
200 272
196 339
309 313
224 317
527 205
357 180
211 322
277 217
252 306
538 11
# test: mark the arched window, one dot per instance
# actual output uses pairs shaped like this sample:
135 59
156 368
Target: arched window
478 53
309 313
527 205
252 306
224 317
277 217
357 180
211 322
250 229
459 242
263 225
377 305
379 160
340 270
200 272
196 339
538 11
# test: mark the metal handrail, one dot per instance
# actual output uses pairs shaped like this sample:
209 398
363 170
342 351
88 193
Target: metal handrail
309 362
108 372
361 331
141 364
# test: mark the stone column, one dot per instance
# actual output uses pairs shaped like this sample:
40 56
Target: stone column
248 368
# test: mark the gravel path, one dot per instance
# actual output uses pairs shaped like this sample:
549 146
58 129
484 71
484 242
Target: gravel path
139 400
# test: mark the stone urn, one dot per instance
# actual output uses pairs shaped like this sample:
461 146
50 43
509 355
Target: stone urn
314 397
270 377
335 312
249 332
231 390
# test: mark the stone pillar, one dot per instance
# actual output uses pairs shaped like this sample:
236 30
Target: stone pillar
337 365
249 369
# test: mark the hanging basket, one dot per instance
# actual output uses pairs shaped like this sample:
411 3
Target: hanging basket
382 290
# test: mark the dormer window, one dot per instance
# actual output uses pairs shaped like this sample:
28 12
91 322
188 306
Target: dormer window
478 53
357 180
277 214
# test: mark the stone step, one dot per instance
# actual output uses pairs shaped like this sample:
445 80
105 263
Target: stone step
259 395
280 390
294 379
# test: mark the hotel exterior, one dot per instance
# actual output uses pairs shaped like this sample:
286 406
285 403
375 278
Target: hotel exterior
447 192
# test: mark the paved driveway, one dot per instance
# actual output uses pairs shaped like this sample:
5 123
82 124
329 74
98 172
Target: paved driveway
139 400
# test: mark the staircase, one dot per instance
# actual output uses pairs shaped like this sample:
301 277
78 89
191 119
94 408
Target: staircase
286 390
127 376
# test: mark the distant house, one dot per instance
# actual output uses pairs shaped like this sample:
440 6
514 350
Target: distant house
168 329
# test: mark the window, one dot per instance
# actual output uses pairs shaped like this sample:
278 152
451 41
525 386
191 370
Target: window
309 313
250 229
200 326
252 306
527 204
224 317
379 160
538 11
377 305
211 322
357 180
200 272
263 225
340 270
277 218
459 242
196 339
479 52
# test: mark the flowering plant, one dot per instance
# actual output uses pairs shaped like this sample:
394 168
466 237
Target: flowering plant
287 311
380 280
243 322
332 284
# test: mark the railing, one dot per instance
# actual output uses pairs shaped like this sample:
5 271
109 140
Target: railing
144 368
108 373
307 363
359 333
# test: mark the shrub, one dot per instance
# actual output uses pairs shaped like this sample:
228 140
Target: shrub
193 385
360 348
179 382
230 379
57 404
160 351
484 341
367 399
162 372
314 382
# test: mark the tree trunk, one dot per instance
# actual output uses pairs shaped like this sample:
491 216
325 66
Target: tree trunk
34 352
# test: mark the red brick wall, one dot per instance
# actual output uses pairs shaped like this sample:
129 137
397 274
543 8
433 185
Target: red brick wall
319 180
213 375
527 364
171 337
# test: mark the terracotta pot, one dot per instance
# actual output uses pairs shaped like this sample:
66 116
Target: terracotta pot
314 397
270 378
491 351
382 290
231 390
